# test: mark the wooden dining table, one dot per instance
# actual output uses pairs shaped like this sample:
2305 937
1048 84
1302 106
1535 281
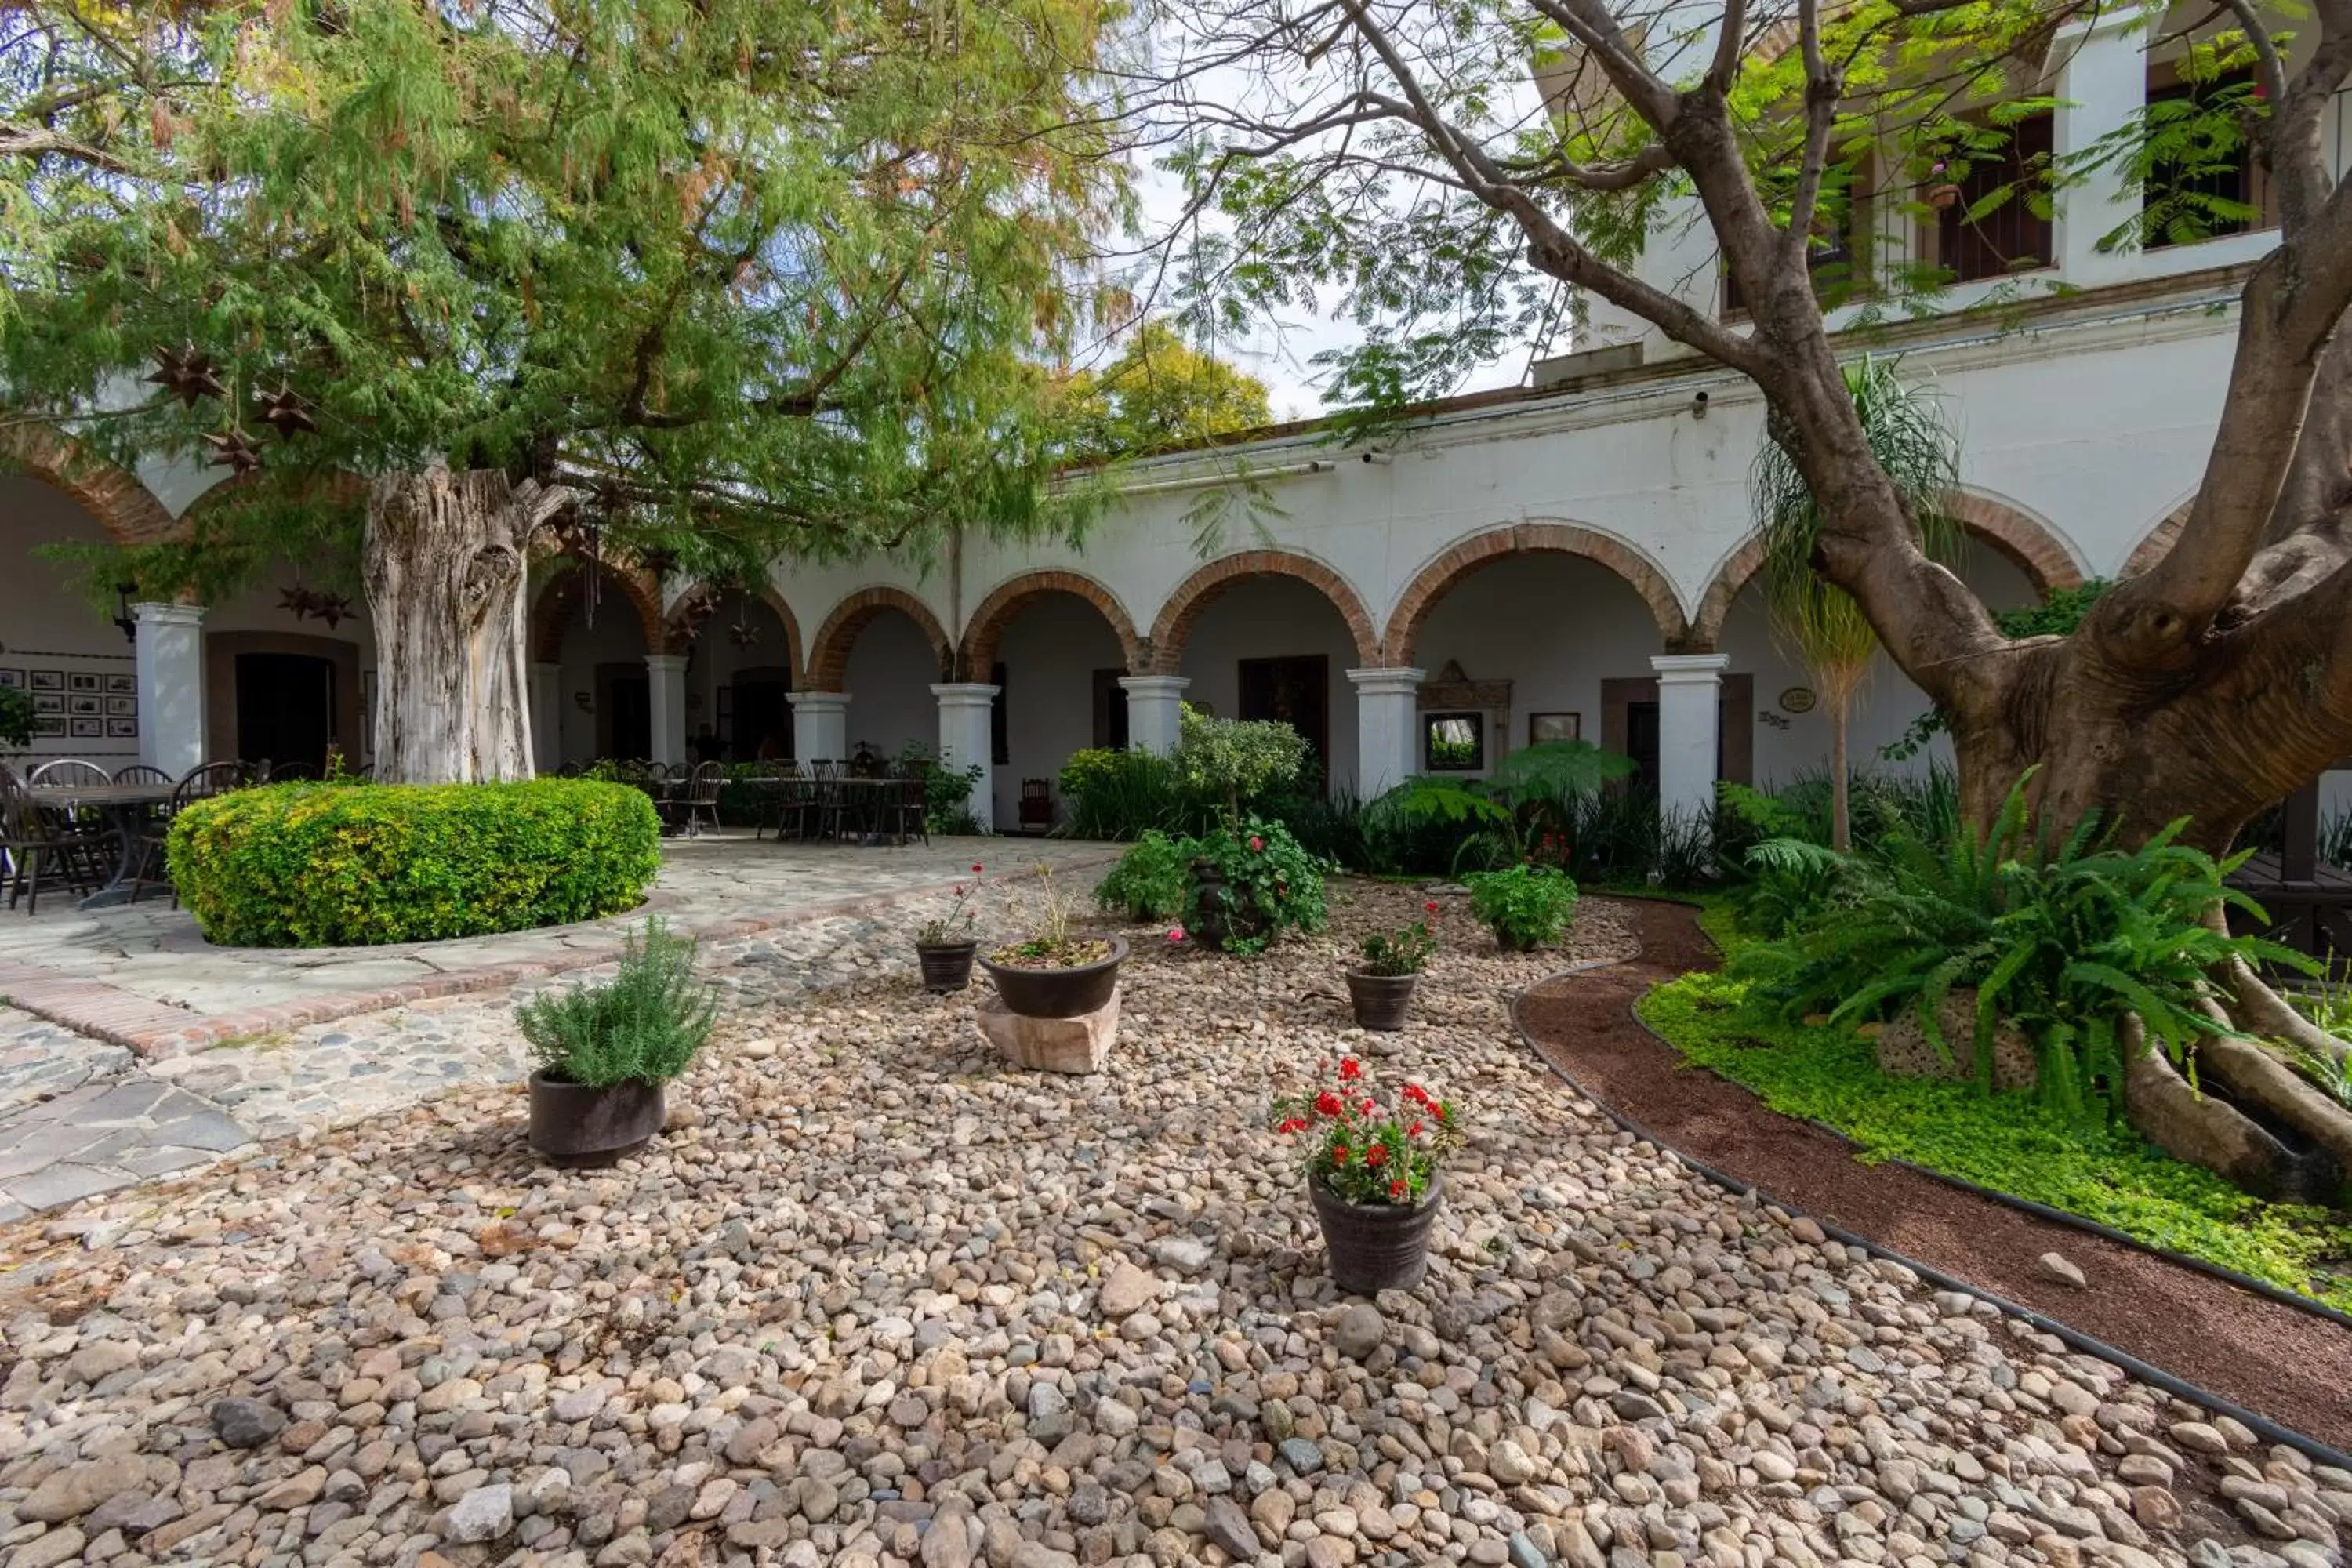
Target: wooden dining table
126 808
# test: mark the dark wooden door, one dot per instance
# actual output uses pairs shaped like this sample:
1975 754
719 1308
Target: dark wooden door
624 712
285 708
1629 726
1297 691
762 717
1111 709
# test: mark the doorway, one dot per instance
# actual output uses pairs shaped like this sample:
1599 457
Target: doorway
758 727
1297 691
1629 726
286 708
624 712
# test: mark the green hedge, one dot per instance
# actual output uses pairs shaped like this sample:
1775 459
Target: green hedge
317 865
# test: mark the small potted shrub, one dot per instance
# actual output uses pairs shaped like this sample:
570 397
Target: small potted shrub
944 947
1381 986
606 1049
1055 974
1372 1171
1525 907
1147 883
1250 884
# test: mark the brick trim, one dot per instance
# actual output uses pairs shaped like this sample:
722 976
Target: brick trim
828 658
1465 556
125 508
1004 603
551 613
1182 611
767 595
2159 541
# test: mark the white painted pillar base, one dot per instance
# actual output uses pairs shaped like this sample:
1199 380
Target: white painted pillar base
546 718
168 656
1690 690
965 708
1388 729
1154 711
819 726
666 683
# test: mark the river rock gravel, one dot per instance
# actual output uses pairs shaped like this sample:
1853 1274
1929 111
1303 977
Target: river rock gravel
873 1300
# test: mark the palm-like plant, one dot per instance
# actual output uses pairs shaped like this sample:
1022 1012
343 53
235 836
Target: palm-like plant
1822 625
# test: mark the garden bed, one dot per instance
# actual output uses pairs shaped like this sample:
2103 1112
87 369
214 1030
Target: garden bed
2271 1357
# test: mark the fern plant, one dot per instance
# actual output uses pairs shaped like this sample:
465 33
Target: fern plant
2062 942
1528 809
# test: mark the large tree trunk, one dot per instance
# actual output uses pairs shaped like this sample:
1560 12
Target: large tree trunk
444 560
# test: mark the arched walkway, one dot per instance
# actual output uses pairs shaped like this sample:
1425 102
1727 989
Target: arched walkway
2159 541
828 659
121 505
562 591
765 593
1431 583
1182 611
2017 536
1003 606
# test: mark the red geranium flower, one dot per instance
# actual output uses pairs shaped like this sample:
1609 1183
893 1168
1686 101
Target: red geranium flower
1377 1155
1365 1105
1338 1154
1431 906
1292 1124
1175 933
1413 1130
1399 1187
1256 843
975 870
1351 1069
1328 1103
1417 1094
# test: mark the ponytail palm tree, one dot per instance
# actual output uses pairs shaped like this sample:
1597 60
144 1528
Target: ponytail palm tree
1817 621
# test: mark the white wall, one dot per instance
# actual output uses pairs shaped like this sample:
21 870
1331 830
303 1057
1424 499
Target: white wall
892 670
1050 651
1268 617
45 623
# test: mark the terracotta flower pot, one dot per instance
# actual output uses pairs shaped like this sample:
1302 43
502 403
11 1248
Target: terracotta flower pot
1376 1246
1381 1000
1943 195
1058 993
947 965
573 1125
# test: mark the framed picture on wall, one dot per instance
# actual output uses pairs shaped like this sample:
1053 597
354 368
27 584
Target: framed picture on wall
14 678
1542 726
48 702
1452 742
89 728
85 706
123 728
48 679
122 707
48 724
84 680
123 685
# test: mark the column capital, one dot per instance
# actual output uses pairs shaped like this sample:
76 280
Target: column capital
1701 668
159 615
818 702
965 693
663 663
1154 685
1397 682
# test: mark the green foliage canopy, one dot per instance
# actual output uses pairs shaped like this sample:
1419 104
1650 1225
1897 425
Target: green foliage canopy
1162 392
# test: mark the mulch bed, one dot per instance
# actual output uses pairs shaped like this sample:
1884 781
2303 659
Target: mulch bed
2289 1365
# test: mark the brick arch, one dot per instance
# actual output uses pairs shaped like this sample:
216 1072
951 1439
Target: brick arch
2159 541
123 507
1183 609
767 595
338 488
551 612
1003 606
2017 537
828 658
1465 556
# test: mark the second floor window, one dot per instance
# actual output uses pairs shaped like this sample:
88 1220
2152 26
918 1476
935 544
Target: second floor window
2013 234
2202 178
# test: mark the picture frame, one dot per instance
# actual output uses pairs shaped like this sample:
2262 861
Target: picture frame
49 681
48 724
84 705
84 680
1454 742
122 707
123 685
48 702
123 728
1554 726
89 728
14 678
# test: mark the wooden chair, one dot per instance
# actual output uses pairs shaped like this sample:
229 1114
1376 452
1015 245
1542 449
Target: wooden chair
34 838
1037 807
907 813
140 774
68 771
286 772
697 798
200 783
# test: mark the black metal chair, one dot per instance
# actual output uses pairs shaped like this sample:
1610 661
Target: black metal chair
140 774
906 814
35 839
286 772
200 783
698 797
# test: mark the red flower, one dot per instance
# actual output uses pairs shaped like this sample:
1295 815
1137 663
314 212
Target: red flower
1291 1124
1377 1155
959 887
1365 1105
975 870
1431 906
1338 1154
1175 933
1413 1130
1256 843
1351 1069
1417 1094
1398 1188
1328 1103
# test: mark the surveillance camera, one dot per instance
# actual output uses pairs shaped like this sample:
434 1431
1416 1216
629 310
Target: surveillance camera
1698 407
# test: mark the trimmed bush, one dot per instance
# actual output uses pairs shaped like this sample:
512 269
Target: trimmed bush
316 865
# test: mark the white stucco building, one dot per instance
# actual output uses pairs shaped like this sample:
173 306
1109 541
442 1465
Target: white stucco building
1570 558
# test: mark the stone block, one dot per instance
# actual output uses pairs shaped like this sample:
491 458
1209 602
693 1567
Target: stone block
1050 1045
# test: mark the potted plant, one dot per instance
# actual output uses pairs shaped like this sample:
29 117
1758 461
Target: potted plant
1371 1170
1249 885
606 1049
1527 907
944 946
1381 986
1941 190
1055 974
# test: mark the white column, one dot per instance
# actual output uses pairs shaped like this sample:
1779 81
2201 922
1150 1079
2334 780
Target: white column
2105 87
1154 707
1690 688
819 726
666 686
170 656
546 718
1387 727
965 707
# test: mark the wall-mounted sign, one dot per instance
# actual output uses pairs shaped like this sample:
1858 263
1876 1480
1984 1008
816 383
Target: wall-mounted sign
1797 700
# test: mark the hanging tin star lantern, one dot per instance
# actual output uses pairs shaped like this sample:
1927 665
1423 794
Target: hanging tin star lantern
187 374
331 608
296 600
234 449
286 411
744 634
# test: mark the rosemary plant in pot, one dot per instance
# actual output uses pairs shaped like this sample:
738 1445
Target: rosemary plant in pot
944 946
1056 974
606 1049
1372 1169
1381 986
